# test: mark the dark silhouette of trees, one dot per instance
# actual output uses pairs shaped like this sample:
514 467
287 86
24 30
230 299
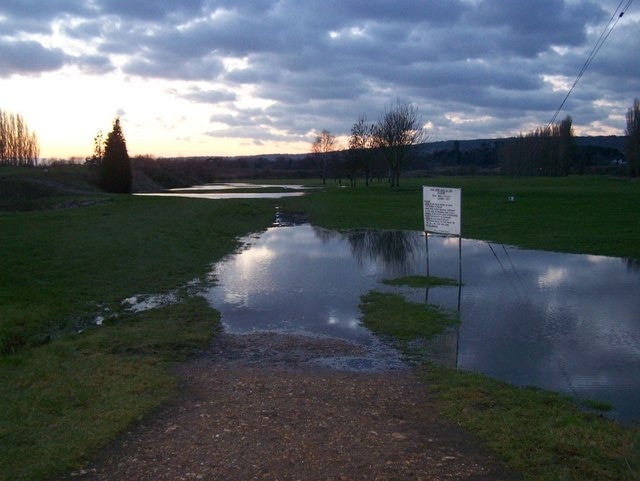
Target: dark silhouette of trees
324 143
544 151
632 146
395 133
114 167
18 145
360 154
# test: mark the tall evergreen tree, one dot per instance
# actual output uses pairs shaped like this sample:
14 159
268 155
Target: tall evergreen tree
115 167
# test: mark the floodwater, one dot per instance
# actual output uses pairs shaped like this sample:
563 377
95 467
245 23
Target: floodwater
563 322
219 191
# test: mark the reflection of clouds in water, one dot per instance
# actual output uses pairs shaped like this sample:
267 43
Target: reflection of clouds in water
597 259
554 276
251 259
528 317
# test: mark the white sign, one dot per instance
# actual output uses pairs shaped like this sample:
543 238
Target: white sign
442 210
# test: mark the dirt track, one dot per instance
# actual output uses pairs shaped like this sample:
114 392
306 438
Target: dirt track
253 408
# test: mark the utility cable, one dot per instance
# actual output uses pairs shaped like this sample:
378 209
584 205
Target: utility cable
604 35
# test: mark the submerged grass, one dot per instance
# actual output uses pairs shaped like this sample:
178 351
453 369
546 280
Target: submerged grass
543 435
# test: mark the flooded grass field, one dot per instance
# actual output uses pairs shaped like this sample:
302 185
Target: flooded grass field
563 322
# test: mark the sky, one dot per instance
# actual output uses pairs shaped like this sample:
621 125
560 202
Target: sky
243 77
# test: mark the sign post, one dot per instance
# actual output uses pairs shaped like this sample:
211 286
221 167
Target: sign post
442 207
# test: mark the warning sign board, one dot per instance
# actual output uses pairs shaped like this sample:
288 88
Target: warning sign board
442 210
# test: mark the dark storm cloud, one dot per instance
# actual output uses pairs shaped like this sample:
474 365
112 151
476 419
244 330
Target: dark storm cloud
150 10
24 10
320 64
20 57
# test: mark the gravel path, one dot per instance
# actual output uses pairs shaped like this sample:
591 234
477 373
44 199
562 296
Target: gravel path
254 407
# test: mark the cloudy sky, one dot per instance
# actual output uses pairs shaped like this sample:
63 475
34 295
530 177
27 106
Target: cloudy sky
226 77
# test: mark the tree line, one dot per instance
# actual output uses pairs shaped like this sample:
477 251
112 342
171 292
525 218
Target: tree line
551 150
380 149
544 151
390 137
18 144
384 148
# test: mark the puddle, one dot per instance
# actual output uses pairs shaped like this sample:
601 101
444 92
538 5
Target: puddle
567 323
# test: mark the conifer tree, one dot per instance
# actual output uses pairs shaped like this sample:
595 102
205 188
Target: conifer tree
115 167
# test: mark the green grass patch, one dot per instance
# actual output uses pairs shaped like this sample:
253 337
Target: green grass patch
594 215
58 268
420 281
62 401
389 314
25 189
64 395
543 435
596 405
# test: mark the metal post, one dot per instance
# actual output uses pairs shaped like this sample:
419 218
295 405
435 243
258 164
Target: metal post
459 270
426 239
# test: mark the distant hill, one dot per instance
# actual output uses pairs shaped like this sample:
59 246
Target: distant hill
609 141
598 154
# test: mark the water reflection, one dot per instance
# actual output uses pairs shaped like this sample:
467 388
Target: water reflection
569 323
224 195
395 250
633 264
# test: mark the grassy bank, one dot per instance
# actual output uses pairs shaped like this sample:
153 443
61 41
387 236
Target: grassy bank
594 215
59 268
545 436
63 394
63 400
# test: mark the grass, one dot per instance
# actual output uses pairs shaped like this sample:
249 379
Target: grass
593 215
543 435
63 400
64 395
60 267
390 315
25 189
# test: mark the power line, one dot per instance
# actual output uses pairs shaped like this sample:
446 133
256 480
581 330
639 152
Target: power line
604 35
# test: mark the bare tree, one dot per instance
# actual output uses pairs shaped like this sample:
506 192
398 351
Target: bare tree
360 153
324 143
632 146
399 128
18 145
